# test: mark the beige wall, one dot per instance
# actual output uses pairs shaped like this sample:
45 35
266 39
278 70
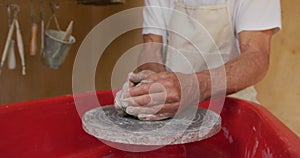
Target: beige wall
279 91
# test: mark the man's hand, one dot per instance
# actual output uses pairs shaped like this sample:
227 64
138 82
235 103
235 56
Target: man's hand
119 104
133 79
162 95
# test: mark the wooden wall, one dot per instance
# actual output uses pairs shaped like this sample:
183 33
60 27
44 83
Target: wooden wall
43 82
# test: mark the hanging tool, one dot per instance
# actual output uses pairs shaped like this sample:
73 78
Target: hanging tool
42 10
9 13
11 52
68 32
33 40
11 63
15 24
53 16
7 45
20 45
34 29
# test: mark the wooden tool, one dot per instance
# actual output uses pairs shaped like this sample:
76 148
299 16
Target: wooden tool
42 10
33 41
68 32
34 30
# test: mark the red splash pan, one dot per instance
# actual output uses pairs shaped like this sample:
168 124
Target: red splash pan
52 128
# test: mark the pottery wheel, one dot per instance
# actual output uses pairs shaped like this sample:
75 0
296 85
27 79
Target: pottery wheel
105 123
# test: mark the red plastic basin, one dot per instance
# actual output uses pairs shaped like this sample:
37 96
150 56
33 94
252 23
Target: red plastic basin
52 128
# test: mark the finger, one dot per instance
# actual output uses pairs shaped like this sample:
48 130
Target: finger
146 88
153 97
117 101
143 82
138 77
150 117
157 109
133 77
125 89
126 85
160 76
146 100
118 105
130 84
147 75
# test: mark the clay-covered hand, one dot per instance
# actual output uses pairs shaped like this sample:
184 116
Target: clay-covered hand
119 104
162 95
134 79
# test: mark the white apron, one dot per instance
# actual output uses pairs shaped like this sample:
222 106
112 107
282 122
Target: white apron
202 38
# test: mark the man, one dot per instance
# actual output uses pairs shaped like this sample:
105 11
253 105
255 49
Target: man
196 35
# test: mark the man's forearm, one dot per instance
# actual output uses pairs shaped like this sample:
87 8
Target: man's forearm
151 57
241 72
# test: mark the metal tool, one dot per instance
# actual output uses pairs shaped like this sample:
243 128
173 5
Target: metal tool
57 41
11 52
53 7
9 13
42 15
20 45
8 39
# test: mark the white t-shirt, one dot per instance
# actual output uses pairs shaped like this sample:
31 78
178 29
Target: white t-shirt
246 14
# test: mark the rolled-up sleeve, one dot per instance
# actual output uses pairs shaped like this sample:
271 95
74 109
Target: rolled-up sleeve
257 15
154 21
